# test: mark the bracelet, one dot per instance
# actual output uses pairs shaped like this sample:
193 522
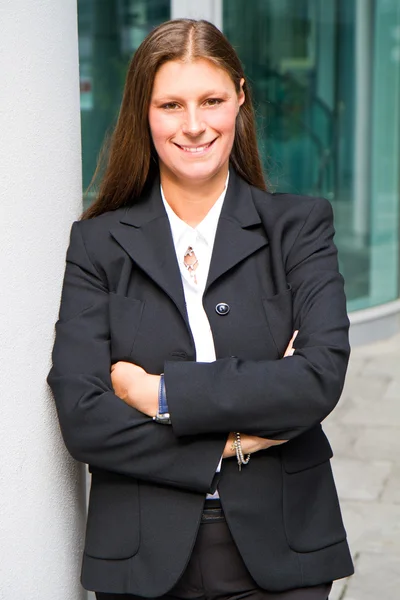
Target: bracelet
237 446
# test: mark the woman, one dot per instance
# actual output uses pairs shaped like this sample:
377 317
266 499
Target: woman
174 372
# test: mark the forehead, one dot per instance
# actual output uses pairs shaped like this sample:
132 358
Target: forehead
190 78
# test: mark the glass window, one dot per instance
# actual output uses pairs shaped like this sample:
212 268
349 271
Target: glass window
385 157
325 76
109 33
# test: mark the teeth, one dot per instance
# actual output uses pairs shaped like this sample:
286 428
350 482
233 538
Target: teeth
194 150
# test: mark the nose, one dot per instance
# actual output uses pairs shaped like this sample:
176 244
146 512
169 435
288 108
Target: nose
193 125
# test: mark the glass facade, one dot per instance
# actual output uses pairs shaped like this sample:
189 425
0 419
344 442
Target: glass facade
325 77
109 33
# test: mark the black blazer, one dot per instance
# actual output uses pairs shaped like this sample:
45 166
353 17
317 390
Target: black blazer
275 264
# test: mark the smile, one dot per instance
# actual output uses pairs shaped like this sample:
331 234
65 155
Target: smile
196 149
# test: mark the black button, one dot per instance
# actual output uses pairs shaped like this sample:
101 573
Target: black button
180 355
222 308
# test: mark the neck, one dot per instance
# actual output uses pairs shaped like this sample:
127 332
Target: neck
192 200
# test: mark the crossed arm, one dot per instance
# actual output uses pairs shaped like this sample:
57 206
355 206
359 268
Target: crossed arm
139 390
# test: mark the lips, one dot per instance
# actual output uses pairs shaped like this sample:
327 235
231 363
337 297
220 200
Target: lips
195 149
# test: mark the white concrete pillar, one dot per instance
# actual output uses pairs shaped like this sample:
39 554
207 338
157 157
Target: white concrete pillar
42 504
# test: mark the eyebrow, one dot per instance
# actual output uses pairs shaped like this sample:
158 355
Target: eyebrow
207 94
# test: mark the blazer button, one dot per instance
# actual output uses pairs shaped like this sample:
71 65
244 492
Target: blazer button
222 308
179 355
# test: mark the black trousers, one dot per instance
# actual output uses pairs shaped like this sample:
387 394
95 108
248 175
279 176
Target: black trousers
217 571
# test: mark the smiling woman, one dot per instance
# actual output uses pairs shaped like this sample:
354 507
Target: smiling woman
186 288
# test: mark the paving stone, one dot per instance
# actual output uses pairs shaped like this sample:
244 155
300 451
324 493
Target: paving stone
391 492
344 405
393 389
341 437
341 409
372 527
365 386
338 589
360 480
383 365
377 577
380 348
376 411
356 365
377 443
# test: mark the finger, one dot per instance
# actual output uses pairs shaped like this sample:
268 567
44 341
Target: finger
115 365
292 342
290 350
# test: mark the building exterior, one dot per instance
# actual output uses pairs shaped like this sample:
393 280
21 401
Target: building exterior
325 76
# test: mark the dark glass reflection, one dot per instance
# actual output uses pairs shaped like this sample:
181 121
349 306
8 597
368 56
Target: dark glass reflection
109 33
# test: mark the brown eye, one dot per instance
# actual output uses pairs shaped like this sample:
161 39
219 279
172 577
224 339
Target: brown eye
213 101
170 106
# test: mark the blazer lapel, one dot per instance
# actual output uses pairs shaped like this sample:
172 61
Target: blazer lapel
144 233
239 233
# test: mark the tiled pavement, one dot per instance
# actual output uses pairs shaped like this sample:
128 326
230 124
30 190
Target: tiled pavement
364 431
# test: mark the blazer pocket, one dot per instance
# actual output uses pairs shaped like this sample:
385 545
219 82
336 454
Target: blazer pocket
306 450
279 314
112 530
125 316
311 511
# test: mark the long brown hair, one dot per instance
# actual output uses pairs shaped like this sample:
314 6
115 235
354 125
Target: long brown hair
128 162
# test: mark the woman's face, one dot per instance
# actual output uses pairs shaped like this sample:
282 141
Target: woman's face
192 117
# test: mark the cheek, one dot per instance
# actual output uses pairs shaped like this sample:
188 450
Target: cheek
224 121
160 128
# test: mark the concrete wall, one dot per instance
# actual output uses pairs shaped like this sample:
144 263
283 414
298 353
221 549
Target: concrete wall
41 489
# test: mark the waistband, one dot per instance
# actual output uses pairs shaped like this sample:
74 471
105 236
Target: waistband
212 512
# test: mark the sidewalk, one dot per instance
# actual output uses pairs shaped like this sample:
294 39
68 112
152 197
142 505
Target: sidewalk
364 431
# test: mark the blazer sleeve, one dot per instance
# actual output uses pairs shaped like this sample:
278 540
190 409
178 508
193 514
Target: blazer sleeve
97 426
279 399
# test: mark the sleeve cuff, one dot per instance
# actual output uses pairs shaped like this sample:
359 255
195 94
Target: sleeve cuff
162 397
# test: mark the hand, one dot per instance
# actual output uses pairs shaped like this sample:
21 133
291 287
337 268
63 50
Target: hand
134 386
290 350
250 444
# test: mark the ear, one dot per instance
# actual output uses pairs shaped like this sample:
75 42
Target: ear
241 94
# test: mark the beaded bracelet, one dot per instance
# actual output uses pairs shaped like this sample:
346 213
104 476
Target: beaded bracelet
237 446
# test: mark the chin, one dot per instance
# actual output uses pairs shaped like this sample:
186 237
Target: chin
198 172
